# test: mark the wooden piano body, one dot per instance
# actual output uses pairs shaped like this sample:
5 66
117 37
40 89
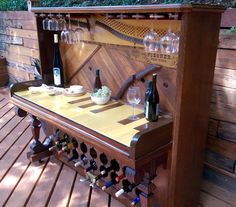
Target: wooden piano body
171 148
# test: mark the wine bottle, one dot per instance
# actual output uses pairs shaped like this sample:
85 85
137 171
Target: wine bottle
97 82
127 187
148 90
105 170
74 156
111 182
93 166
152 103
58 73
83 161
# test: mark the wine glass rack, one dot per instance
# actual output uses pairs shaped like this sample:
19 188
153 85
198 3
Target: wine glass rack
157 161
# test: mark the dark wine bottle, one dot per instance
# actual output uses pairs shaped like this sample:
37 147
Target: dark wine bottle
97 82
148 90
93 166
74 156
83 161
127 187
58 74
152 103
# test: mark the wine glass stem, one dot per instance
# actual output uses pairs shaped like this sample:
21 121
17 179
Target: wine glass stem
133 111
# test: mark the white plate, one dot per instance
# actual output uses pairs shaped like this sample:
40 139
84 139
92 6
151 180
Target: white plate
68 92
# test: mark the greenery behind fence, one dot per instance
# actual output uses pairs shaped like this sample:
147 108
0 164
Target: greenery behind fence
21 4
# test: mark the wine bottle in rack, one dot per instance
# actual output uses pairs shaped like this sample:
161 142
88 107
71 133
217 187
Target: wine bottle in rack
105 170
93 166
83 161
58 74
152 103
97 82
111 182
74 156
127 187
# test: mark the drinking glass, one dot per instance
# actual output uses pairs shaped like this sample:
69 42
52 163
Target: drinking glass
169 43
45 21
134 98
150 41
61 22
52 23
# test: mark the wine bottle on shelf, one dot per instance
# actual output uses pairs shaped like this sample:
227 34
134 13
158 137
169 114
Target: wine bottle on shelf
111 182
135 201
83 161
97 82
152 103
148 90
105 170
127 187
58 74
93 166
74 156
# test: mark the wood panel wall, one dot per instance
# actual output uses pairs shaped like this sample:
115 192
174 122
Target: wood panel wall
18 44
220 162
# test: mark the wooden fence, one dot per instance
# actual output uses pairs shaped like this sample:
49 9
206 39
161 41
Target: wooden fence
220 164
18 44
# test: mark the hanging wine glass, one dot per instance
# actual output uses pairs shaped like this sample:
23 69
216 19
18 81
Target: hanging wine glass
61 22
79 34
45 21
52 23
169 43
150 40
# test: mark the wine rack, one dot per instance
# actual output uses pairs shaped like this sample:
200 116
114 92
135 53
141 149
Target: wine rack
114 174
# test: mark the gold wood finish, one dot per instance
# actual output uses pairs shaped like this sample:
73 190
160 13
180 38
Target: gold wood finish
104 122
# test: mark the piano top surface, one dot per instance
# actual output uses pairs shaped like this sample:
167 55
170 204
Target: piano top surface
110 120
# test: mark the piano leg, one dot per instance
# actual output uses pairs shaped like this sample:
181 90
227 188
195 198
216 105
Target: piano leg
38 150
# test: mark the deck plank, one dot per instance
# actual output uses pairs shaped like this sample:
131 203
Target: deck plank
9 127
45 185
26 185
13 136
10 157
16 172
7 117
3 102
6 108
61 194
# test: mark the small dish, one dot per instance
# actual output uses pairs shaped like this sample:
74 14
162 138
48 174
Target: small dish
76 89
100 100
69 92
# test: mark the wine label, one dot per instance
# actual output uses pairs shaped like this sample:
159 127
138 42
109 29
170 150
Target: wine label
57 76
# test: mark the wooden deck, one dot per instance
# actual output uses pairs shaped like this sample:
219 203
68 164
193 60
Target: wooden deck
52 183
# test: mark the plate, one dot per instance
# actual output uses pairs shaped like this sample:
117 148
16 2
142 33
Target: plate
67 92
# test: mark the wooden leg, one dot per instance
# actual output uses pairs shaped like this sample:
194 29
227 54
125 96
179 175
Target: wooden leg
19 112
38 150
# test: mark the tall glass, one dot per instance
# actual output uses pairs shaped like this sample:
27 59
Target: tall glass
134 98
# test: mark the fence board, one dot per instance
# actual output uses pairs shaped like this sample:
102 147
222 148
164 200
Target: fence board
225 77
22 33
227 131
227 39
226 59
31 43
228 18
24 51
222 113
225 148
